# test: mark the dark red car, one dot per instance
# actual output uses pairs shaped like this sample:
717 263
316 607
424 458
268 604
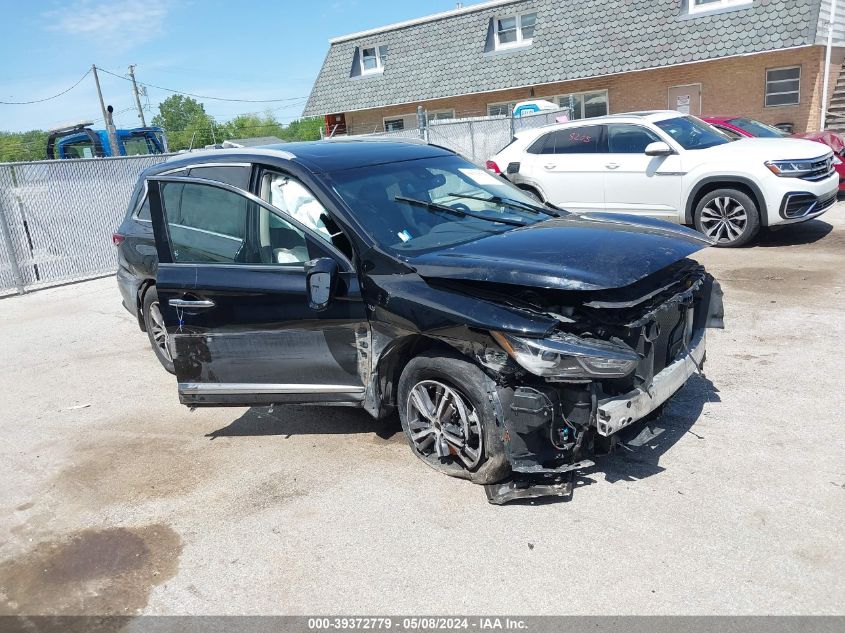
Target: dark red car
738 127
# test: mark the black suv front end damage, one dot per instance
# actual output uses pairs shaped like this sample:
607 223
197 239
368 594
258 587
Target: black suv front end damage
613 357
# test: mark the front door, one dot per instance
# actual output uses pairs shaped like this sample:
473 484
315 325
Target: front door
686 99
569 166
640 184
231 283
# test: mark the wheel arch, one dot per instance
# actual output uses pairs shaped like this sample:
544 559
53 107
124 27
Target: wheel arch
534 188
396 355
139 302
711 183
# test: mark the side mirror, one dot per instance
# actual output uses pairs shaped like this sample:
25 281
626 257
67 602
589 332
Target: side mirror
320 282
658 148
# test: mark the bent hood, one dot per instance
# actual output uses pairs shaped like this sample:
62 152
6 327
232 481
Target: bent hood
595 251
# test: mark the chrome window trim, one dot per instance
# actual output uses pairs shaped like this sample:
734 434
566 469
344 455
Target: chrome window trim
198 166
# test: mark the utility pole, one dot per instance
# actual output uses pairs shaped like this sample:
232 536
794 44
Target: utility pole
115 150
137 97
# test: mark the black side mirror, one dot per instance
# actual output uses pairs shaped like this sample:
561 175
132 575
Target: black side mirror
320 282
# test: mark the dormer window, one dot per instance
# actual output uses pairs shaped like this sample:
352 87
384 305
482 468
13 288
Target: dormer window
705 6
515 30
372 59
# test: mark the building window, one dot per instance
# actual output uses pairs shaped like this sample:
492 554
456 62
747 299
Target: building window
583 105
783 86
394 125
515 30
501 109
701 6
373 59
439 115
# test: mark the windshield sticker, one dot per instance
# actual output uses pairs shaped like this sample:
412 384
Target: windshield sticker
404 235
481 177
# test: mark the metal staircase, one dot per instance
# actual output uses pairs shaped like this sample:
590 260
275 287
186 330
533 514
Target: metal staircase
836 110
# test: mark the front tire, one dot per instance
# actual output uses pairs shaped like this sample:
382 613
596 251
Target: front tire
448 418
728 216
156 329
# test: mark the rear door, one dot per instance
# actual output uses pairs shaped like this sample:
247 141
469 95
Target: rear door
232 289
569 166
636 183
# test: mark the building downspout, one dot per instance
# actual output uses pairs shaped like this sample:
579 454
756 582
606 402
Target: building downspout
823 121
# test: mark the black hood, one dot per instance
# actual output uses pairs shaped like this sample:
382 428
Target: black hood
593 251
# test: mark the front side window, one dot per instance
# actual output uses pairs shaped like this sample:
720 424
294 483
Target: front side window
583 105
783 86
211 225
515 30
692 133
587 139
629 139
417 206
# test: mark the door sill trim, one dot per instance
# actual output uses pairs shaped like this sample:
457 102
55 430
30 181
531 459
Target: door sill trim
237 389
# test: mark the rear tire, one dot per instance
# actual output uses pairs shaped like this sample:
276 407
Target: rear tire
728 216
156 329
457 434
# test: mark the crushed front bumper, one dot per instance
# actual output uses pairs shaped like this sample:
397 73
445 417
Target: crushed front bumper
618 412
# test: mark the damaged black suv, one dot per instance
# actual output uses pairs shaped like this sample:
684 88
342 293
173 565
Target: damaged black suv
510 336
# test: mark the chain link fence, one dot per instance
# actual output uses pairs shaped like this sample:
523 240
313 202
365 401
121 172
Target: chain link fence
57 218
477 138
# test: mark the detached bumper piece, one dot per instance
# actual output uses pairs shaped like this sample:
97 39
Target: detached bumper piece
534 486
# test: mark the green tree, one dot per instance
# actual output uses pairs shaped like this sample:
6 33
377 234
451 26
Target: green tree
185 122
18 146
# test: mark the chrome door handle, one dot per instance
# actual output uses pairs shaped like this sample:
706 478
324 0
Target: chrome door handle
549 166
612 165
187 303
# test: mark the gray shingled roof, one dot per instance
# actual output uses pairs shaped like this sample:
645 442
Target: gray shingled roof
572 40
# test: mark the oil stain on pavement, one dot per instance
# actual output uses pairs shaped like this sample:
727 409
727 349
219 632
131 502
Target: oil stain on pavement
92 572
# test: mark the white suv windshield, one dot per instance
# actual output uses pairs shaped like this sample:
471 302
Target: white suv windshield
692 133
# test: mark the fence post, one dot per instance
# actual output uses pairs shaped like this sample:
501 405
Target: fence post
472 142
422 124
13 262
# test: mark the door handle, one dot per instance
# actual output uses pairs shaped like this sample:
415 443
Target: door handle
191 304
549 166
612 165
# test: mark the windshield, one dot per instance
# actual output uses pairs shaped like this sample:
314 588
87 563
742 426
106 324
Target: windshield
755 128
423 205
692 133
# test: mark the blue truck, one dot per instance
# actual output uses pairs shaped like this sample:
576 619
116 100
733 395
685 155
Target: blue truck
80 141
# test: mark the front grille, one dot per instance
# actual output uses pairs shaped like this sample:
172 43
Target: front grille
820 169
799 205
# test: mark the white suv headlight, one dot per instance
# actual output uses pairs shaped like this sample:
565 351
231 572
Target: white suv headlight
567 357
792 168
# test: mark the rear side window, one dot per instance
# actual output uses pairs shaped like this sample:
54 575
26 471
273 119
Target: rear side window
587 139
629 139
144 211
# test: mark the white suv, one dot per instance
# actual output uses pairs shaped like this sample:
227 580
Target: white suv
675 168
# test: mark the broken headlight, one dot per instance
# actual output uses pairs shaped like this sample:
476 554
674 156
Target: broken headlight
568 357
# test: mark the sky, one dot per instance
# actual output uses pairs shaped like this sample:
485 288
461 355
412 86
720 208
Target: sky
245 49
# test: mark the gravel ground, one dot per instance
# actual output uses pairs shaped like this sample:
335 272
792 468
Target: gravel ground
116 499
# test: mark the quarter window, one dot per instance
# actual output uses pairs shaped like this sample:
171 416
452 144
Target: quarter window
629 139
573 140
515 30
783 86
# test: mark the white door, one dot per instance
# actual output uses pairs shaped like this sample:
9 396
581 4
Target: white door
568 165
636 183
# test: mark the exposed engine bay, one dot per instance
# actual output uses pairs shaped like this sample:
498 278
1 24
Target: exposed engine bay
635 347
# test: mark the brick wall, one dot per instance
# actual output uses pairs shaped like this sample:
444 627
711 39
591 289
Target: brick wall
729 86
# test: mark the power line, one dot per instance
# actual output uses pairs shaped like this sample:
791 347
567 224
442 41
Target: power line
189 94
47 98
